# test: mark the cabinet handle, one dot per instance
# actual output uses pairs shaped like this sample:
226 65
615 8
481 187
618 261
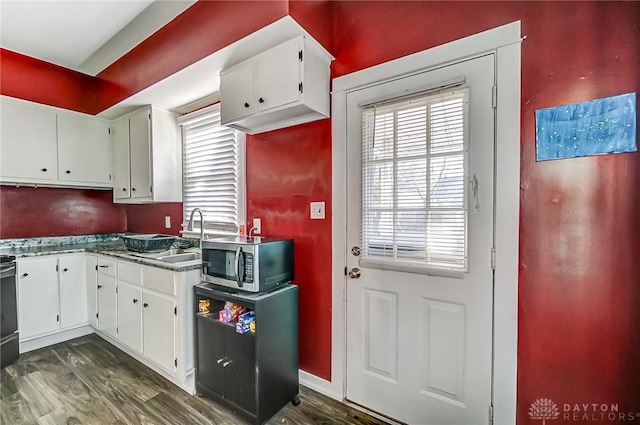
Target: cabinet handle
145 305
104 266
135 300
65 269
133 189
227 363
261 100
25 274
246 105
99 286
124 189
220 360
44 170
68 171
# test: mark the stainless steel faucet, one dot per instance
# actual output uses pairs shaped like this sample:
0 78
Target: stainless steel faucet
190 225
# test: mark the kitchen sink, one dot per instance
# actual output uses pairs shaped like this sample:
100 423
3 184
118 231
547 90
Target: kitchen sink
180 258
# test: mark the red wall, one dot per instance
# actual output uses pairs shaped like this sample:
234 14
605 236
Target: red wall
149 218
29 212
579 283
286 170
32 79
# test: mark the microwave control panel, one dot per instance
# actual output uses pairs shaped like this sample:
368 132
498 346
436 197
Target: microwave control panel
248 267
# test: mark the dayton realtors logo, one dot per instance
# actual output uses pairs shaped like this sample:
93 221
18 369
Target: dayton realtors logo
546 409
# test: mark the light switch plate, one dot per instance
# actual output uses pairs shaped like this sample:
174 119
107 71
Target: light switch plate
317 210
167 222
257 226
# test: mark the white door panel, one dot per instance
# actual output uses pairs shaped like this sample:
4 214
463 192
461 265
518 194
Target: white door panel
419 344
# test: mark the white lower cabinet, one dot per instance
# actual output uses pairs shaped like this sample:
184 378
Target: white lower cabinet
39 308
159 333
130 315
92 289
146 311
107 305
73 306
52 294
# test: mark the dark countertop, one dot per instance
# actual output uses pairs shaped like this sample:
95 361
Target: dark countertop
115 249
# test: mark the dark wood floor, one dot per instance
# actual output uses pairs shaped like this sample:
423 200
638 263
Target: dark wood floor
88 381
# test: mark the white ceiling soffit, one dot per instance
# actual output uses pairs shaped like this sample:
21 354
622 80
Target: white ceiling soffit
82 35
198 85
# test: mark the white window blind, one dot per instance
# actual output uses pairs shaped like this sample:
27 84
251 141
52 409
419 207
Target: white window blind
414 208
213 171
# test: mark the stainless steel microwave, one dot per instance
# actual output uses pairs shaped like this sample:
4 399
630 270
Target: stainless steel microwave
252 264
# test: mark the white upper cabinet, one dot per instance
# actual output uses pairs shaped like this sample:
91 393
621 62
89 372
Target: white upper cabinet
28 143
80 139
281 87
279 76
121 158
238 97
43 145
140 149
147 157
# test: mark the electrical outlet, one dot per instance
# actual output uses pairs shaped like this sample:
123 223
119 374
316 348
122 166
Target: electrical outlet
317 210
167 222
257 226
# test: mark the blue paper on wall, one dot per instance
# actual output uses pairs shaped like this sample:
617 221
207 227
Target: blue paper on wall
594 127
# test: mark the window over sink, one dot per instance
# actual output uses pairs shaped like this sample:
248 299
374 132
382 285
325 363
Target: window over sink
213 172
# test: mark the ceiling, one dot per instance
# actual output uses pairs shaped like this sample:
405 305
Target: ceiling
83 35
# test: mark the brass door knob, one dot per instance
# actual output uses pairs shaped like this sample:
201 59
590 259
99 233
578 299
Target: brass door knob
354 273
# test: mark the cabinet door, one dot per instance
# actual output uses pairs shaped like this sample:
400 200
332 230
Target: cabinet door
107 305
237 94
84 149
158 320
140 148
130 315
210 354
92 290
73 290
279 76
121 164
240 371
28 143
38 303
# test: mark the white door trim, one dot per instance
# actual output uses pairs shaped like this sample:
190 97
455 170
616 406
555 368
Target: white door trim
505 42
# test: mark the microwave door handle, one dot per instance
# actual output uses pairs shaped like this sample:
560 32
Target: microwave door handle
237 264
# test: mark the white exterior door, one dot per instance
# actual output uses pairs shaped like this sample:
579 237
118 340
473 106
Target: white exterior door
419 292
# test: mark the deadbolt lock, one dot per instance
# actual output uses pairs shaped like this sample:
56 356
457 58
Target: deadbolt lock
355 251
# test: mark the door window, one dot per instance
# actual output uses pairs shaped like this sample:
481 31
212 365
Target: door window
414 166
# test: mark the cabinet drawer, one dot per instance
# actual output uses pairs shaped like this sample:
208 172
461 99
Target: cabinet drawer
158 280
106 266
130 272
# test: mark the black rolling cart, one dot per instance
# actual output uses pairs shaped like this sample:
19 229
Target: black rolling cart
254 374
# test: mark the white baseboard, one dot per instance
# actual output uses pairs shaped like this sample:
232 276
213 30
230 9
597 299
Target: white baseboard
320 385
56 338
